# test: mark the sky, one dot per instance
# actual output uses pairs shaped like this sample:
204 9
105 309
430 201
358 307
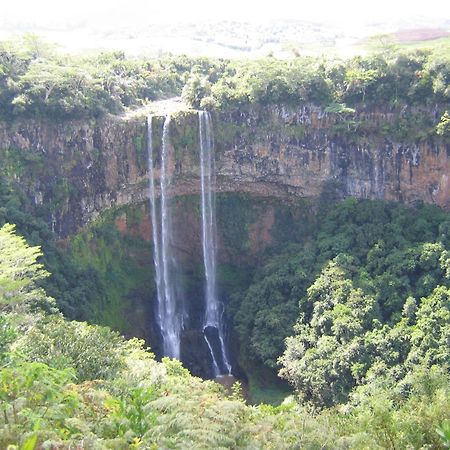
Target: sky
151 11
149 27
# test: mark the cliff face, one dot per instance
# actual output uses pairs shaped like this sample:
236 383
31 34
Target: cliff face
308 150
74 170
71 171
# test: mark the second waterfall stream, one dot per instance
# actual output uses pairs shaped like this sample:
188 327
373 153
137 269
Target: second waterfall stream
213 325
170 311
169 308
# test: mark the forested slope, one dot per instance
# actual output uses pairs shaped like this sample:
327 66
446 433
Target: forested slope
66 384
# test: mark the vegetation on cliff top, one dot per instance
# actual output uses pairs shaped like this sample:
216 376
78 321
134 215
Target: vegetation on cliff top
389 79
37 81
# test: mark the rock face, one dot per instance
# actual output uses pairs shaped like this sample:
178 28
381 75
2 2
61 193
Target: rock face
72 171
75 170
305 153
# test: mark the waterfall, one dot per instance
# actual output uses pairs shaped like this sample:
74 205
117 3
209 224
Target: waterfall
153 214
169 313
213 327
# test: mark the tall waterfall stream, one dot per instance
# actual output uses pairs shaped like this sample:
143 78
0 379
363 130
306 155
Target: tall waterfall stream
169 309
169 312
213 326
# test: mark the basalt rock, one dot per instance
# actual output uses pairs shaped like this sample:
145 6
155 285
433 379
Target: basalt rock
75 170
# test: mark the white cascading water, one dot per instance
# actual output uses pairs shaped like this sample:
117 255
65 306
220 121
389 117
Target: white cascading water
213 327
169 315
153 212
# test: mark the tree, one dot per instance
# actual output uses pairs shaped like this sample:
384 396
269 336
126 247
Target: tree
430 336
443 127
328 355
343 344
94 352
196 88
19 269
358 80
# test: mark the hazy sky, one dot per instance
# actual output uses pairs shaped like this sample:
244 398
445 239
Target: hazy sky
116 11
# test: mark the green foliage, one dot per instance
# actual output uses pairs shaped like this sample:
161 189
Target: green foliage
386 259
328 352
444 432
184 135
392 78
96 268
271 81
94 352
269 308
339 108
37 81
195 90
131 401
27 392
114 269
67 281
382 307
343 341
235 213
402 414
8 335
431 332
19 269
443 127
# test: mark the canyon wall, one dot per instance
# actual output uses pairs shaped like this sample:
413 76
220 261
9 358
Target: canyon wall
267 161
72 171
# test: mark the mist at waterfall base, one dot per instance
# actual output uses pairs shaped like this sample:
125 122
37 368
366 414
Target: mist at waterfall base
172 316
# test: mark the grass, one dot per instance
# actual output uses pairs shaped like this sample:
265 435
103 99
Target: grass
271 393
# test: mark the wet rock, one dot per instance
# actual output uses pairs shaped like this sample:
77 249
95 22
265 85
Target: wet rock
195 354
76 170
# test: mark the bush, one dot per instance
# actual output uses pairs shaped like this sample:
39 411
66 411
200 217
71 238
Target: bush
94 352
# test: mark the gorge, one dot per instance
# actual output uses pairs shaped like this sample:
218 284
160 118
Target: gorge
208 253
268 162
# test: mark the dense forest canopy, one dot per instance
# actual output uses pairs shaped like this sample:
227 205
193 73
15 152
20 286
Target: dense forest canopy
68 384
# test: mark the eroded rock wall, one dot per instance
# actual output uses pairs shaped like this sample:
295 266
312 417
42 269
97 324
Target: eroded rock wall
75 170
72 171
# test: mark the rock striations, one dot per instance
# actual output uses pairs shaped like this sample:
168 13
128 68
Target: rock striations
77 169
